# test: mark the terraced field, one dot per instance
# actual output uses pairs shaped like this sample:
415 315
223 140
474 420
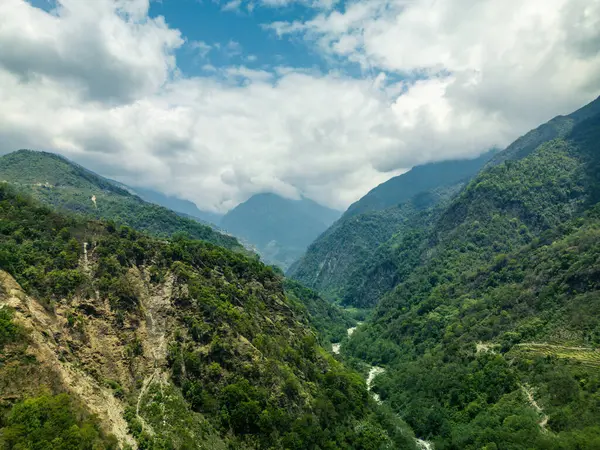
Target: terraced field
586 356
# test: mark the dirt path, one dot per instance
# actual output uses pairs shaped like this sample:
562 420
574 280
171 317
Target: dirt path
528 391
558 347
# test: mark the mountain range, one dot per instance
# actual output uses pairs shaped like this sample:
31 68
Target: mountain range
60 183
111 338
178 205
125 325
352 261
490 335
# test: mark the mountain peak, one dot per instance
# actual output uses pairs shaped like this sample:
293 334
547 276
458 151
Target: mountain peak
280 228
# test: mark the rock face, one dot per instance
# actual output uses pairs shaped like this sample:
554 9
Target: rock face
50 341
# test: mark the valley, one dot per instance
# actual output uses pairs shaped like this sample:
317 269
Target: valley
300 225
472 321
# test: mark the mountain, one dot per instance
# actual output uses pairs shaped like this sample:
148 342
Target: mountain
178 205
346 262
60 183
111 338
492 339
279 228
419 179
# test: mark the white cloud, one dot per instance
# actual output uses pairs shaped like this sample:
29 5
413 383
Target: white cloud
232 5
201 47
511 62
98 82
236 5
107 50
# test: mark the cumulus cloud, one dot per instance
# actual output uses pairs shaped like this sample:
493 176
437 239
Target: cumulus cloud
510 62
108 50
98 82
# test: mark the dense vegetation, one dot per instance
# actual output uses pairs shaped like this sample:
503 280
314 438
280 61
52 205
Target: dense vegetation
367 252
330 321
279 228
62 184
52 422
492 340
360 257
244 360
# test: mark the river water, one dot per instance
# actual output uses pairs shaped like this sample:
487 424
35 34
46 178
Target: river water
373 372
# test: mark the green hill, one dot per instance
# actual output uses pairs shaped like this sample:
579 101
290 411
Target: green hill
363 254
62 184
491 340
111 338
279 228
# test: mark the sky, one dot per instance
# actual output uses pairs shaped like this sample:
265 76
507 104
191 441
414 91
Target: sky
216 100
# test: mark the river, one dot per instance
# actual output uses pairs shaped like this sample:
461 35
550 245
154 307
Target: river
373 372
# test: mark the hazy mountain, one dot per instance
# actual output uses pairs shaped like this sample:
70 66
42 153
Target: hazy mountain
279 228
178 205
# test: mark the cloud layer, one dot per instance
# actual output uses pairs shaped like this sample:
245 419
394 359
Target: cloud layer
98 82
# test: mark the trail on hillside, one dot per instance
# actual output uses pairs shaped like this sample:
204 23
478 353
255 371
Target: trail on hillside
528 391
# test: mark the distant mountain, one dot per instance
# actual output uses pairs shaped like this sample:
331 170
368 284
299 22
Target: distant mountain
279 228
352 261
178 205
419 179
63 184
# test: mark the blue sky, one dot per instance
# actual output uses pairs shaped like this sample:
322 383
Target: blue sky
206 21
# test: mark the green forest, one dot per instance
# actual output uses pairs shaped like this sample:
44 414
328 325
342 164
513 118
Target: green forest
465 317
491 341
244 358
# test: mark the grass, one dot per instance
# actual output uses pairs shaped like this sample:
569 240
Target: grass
584 355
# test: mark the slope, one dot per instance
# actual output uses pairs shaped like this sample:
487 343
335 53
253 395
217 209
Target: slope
491 341
280 228
359 257
419 179
177 344
62 184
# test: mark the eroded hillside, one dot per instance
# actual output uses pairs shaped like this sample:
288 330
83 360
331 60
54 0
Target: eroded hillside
176 344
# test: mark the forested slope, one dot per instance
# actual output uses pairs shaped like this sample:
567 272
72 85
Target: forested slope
110 336
359 257
419 179
62 184
492 340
